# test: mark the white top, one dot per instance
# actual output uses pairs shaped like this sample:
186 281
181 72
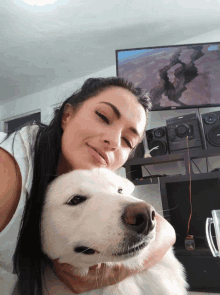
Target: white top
24 139
8 237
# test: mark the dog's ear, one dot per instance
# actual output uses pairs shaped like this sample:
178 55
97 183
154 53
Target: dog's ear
128 186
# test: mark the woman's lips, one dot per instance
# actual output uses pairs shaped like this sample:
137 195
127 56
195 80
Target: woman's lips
97 156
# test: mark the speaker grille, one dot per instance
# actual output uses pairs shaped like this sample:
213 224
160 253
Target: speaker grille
158 133
162 148
210 118
213 136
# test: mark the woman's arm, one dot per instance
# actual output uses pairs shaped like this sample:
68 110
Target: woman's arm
10 188
165 239
101 276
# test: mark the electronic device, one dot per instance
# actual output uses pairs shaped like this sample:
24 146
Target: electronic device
157 141
211 127
216 170
179 128
176 77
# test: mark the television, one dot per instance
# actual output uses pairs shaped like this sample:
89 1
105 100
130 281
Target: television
176 77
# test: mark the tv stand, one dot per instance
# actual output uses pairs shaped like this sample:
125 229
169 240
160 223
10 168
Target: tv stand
134 171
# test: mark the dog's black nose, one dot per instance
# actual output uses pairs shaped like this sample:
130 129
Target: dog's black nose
139 217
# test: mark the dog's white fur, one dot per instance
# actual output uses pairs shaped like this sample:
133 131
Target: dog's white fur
96 223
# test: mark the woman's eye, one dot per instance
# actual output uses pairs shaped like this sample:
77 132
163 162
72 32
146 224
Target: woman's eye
128 142
104 118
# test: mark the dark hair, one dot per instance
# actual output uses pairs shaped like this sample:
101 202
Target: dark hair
29 261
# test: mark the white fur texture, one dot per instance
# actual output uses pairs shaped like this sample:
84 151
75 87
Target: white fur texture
96 223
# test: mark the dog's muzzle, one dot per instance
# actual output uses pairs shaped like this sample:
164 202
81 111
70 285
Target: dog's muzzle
139 220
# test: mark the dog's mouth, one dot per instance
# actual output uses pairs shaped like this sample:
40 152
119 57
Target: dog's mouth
85 250
131 250
90 251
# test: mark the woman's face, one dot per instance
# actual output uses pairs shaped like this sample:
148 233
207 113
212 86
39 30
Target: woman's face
102 132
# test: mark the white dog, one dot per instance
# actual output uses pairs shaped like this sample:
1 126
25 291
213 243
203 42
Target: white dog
89 217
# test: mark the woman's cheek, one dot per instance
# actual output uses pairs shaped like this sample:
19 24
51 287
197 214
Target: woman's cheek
120 159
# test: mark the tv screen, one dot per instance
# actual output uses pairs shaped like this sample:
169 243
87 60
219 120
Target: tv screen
176 77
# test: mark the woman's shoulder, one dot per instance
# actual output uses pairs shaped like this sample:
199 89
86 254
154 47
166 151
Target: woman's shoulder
29 132
20 141
10 189
16 160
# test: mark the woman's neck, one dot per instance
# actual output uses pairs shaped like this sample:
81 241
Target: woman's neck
63 166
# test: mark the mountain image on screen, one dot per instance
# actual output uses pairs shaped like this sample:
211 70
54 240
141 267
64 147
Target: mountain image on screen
183 76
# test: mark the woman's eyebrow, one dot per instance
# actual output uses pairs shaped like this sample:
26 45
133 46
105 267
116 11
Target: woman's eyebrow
118 115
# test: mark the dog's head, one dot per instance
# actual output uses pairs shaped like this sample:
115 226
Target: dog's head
90 217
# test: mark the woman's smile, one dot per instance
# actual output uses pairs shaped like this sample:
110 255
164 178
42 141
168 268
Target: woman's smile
96 156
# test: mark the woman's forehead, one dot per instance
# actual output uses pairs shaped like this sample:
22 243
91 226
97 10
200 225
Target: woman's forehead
124 100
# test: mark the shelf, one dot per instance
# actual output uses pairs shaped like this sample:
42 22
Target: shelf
133 167
177 178
193 154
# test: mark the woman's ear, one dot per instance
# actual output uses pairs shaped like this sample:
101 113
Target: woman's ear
67 115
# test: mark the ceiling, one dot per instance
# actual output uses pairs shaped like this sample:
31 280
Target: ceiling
44 46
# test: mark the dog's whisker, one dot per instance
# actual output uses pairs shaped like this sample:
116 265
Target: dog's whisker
168 209
71 260
166 216
131 172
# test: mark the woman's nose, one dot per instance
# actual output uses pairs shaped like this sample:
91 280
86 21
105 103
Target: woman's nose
113 139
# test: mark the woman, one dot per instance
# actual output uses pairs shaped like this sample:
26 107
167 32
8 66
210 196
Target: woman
106 116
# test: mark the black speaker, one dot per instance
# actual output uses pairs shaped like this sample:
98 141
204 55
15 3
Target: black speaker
157 138
211 127
179 128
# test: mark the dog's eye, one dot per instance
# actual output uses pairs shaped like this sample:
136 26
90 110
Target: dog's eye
120 191
75 200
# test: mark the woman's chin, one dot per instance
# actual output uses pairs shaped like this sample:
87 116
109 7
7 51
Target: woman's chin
89 166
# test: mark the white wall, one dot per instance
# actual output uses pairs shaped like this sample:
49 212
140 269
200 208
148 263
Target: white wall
47 100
